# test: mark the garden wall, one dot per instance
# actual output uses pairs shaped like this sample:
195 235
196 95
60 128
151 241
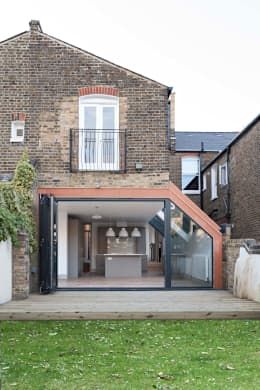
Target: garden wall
5 271
231 248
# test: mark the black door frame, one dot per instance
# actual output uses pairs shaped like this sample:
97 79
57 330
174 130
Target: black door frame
48 244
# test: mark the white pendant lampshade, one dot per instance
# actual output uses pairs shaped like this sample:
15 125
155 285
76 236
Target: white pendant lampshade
136 233
123 233
96 216
110 232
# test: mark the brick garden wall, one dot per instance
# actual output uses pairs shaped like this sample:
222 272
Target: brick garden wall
21 269
231 248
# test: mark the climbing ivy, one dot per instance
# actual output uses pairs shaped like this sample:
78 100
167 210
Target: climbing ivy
16 201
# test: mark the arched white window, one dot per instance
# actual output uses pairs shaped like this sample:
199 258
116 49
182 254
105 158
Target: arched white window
99 132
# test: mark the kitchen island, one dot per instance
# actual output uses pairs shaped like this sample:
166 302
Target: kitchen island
123 265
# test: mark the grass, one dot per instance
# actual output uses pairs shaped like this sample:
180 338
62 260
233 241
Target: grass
139 355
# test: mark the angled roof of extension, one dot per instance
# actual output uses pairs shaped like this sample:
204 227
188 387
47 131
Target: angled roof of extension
35 26
215 141
240 135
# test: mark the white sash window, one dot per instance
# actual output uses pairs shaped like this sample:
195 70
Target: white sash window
99 133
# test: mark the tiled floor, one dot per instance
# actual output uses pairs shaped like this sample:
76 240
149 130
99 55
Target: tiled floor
152 280
101 281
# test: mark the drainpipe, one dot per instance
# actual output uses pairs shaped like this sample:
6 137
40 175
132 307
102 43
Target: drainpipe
228 214
170 118
201 176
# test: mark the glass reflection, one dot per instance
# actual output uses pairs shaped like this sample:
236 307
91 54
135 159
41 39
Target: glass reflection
191 252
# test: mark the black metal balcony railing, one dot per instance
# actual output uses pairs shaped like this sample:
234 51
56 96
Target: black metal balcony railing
97 150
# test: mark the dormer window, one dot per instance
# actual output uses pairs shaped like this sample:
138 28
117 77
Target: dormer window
17 131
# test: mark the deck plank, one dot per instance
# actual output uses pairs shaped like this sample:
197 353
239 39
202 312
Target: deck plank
95 305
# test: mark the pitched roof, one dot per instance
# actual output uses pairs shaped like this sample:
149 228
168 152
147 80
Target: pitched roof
214 141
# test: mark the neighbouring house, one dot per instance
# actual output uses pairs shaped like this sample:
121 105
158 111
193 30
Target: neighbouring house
193 151
100 137
231 184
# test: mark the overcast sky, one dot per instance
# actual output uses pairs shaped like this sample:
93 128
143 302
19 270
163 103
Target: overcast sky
208 50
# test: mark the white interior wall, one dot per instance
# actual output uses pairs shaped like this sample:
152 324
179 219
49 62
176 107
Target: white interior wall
73 247
62 243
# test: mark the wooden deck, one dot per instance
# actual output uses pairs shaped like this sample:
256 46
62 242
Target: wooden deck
108 305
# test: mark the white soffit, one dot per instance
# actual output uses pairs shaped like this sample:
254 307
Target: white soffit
130 211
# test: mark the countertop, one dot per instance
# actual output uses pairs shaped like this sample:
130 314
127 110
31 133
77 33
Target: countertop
124 254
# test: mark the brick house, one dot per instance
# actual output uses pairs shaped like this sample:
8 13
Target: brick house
100 137
193 151
231 193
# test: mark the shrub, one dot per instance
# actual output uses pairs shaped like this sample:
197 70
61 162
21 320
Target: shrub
16 204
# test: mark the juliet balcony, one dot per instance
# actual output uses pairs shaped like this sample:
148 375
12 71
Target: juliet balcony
98 150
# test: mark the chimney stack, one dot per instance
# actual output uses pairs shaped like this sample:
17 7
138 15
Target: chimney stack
35 25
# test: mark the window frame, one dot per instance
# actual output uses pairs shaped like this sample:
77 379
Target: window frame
223 166
15 125
214 183
191 192
204 182
99 101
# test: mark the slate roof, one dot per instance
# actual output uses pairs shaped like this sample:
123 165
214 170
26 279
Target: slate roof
213 141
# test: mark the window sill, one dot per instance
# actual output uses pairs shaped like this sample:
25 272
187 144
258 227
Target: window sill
197 192
17 140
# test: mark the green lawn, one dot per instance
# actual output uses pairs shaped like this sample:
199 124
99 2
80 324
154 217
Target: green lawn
130 355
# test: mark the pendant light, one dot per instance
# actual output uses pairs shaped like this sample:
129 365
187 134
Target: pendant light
123 233
136 233
110 232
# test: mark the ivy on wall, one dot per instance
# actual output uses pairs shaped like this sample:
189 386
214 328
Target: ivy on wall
16 204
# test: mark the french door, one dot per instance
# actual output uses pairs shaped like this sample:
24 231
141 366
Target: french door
48 244
99 134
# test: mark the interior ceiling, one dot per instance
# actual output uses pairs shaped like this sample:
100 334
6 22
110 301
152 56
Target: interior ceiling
112 211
